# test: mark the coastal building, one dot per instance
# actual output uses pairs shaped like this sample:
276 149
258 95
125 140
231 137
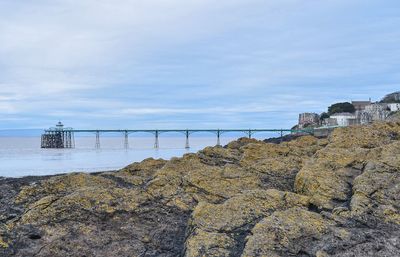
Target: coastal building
308 119
394 107
329 122
374 112
360 105
378 112
366 112
345 118
363 117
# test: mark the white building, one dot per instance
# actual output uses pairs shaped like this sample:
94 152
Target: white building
345 118
329 122
378 112
394 107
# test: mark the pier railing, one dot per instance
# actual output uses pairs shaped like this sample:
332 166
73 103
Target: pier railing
64 138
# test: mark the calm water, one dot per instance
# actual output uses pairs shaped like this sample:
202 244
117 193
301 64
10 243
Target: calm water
22 156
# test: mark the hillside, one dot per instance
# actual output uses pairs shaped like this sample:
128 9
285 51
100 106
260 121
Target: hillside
308 197
391 98
394 117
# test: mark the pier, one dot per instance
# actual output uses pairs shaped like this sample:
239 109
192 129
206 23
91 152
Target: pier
60 137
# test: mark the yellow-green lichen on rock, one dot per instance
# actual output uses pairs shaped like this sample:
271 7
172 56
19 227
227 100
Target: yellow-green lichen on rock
2 243
145 168
371 136
228 221
243 209
307 197
204 244
279 158
327 177
92 199
62 184
282 233
377 190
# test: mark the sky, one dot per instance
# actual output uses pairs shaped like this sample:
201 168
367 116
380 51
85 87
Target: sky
174 64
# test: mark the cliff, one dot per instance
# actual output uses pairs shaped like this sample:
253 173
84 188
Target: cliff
308 197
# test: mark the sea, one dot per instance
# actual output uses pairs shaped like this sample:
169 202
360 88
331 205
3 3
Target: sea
21 155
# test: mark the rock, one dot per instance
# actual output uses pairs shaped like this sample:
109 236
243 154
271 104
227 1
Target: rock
277 165
232 220
305 197
218 156
202 243
238 144
146 168
367 137
376 192
328 176
90 215
287 233
3 244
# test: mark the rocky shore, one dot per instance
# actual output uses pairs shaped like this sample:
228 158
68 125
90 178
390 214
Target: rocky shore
338 196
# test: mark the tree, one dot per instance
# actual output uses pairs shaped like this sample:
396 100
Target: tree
391 98
323 116
341 107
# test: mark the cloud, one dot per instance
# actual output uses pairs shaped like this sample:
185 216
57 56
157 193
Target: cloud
107 63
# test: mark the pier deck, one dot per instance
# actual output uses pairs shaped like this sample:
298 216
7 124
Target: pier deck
60 137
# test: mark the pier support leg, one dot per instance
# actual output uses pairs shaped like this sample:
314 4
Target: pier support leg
250 133
218 138
281 135
187 146
97 146
126 140
156 143
68 139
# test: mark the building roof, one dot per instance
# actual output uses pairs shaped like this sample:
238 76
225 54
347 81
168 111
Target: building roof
309 113
347 114
360 102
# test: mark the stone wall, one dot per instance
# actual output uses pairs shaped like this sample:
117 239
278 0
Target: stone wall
306 119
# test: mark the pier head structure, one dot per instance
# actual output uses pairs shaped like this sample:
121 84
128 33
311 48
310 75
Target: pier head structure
60 137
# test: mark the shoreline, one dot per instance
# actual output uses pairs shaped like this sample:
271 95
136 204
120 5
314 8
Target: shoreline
33 177
308 196
272 140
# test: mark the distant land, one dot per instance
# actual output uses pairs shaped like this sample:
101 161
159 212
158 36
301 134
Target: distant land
20 132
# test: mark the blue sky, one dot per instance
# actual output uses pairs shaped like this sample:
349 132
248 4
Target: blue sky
193 63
